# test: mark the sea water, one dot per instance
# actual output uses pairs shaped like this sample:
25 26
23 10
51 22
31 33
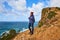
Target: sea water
6 26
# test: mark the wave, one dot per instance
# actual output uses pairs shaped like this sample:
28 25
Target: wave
24 30
7 32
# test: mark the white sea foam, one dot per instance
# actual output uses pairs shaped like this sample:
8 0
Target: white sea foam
7 32
24 30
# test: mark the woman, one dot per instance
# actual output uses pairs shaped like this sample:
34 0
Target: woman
31 23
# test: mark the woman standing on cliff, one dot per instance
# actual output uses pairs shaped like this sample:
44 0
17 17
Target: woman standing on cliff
31 23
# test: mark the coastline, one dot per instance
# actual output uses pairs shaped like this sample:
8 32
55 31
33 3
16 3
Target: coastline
17 26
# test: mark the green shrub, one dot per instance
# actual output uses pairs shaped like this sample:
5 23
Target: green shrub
8 36
12 32
0 38
18 31
51 14
40 24
49 8
58 8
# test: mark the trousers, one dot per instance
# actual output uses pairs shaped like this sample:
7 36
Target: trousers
31 27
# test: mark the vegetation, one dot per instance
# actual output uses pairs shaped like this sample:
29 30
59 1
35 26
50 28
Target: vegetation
58 8
51 14
8 36
44 11
40 24
49 8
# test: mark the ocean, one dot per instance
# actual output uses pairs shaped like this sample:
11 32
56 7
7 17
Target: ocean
6 26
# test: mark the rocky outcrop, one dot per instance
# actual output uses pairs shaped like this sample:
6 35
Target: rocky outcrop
50 16
48 27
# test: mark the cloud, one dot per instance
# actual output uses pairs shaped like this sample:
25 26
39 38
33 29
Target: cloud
54 3
16 13
37 8
18 4
20 12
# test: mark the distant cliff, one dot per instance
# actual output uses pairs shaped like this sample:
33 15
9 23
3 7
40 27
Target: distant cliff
48 27
50 16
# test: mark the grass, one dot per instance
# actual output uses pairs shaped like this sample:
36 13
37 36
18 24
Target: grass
51 14
44 11
40 24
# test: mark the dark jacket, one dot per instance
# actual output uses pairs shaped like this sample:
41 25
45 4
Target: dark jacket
31 19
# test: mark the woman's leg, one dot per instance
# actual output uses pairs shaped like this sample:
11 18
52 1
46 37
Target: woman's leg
32 25
29 27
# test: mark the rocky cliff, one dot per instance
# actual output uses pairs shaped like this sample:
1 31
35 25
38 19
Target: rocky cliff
48 27
50 16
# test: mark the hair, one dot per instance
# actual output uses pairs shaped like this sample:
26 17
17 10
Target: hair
32 13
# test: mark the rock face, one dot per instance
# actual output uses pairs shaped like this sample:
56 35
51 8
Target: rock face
50 16
51 19
48 27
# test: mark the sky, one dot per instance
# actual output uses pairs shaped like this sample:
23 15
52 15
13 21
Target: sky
19 10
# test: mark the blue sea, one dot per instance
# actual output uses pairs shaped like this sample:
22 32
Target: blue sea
6 26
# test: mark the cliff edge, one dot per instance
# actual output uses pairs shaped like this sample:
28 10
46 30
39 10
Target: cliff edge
48 27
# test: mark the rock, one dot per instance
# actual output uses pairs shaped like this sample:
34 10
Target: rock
49 27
